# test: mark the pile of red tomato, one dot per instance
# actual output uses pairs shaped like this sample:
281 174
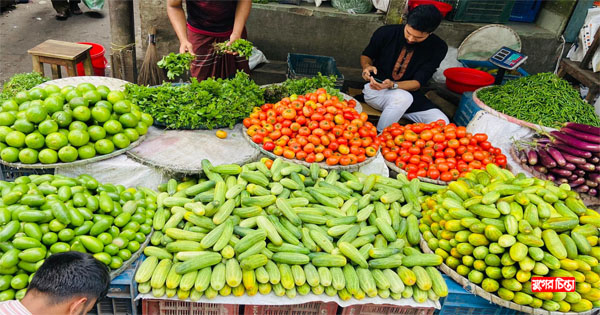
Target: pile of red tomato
314 127
437 151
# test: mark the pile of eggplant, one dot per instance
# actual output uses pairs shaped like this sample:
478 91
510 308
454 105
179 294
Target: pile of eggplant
571 155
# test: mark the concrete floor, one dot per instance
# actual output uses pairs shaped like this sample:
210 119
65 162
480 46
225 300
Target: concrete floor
23 26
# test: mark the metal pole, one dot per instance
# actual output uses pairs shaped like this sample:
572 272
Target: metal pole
122 34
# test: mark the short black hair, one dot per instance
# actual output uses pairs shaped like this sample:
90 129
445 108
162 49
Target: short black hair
425 18
70 274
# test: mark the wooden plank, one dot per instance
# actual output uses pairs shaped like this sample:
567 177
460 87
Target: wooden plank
56 73
37 65
59 49
586 77
591 51
87 64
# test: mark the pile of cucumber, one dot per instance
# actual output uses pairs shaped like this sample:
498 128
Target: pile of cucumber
289 229
500 230
45 214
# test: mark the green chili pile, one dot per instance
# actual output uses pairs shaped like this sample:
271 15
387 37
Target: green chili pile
543 99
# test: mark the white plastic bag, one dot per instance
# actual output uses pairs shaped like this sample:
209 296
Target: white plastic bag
256 58
450 61
381 5
501 134
585 38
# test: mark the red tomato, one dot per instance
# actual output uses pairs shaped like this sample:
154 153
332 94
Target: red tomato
486 145
480 137
446 176
269 146
257 138
433 173
390 156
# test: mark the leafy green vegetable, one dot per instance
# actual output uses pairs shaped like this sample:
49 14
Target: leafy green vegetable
21 82
240 46
199 105
176 64
275 92
543 99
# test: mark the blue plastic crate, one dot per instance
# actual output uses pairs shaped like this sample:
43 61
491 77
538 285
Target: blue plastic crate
9 174
306 66
461 302
525 10
467 108
120 298
492 69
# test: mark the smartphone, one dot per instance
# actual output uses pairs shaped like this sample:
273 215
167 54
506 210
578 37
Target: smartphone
377 80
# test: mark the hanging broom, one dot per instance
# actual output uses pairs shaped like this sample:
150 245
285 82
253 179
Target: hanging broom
150 73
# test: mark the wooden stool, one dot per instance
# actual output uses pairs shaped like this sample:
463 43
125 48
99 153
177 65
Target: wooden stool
58 53
579 72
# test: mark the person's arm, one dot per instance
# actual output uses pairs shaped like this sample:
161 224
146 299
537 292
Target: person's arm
367 65
242 11
407 85
177 18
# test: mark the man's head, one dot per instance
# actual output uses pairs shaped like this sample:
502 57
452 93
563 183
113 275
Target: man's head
421 22
70 282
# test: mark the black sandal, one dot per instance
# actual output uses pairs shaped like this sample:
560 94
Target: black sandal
61 16
75 9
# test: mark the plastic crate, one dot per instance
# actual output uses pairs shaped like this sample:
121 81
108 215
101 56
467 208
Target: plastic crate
120 299
307 66
525 10
467 108
480 11
385 309
168 307
459 301
489 67
8 173
313 308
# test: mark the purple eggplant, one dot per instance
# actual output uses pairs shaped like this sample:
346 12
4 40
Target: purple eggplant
573 177
556 155
582 189
546 159
572 158
565 148
561 172
576 143
584 128
522 155
591 183
550 177
577 182
595 177
561 180
587 167
594 160
570 166
543 140
579 172
540 168
582 135
593 192
532 157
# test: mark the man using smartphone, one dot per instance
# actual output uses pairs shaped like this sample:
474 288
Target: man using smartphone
398 61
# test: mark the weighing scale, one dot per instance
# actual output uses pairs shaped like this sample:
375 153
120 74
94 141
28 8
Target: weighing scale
506 59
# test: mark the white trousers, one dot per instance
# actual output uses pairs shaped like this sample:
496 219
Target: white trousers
394 103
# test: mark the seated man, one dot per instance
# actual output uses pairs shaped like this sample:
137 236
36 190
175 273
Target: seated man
398 61
67 283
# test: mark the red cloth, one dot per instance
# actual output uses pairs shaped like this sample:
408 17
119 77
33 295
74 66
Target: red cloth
211 16
208 63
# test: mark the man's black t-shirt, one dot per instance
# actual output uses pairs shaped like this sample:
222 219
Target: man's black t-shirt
385 49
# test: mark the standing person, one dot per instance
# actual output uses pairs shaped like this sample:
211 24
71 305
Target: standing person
398 61
209 22
64 8
67 283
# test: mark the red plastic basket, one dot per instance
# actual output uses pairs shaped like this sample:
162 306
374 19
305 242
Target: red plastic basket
462 80
444 8
313 308
385 309
167 307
